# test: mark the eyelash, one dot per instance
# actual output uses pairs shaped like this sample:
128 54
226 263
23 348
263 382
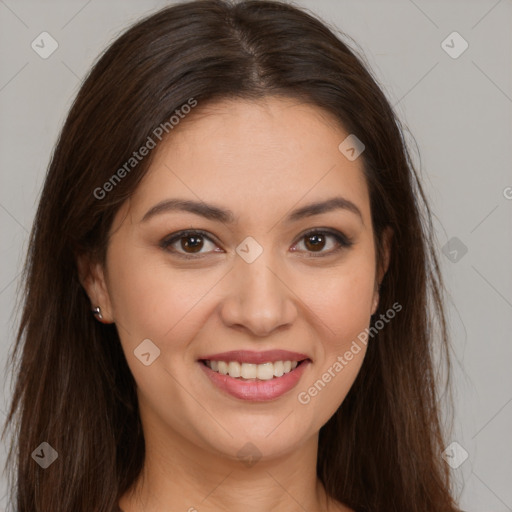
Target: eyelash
343 241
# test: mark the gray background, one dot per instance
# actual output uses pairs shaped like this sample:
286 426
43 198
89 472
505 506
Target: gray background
459 111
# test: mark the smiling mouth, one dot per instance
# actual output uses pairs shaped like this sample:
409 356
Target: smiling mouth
253 372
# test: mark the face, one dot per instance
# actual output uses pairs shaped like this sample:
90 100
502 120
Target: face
236 258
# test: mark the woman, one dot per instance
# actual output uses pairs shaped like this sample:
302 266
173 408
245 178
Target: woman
228 281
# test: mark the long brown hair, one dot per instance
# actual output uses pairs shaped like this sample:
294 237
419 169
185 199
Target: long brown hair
381 450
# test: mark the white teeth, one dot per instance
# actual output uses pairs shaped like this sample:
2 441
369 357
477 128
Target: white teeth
278 368
265 371
223 367
234 369
249 371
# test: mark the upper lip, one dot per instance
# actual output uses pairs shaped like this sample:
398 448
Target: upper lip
249 356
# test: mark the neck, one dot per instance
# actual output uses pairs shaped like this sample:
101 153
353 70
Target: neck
178 475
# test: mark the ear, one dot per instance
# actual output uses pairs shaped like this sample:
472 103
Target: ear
382 265
92 277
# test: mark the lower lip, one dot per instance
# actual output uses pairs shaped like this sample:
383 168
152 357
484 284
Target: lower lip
257 390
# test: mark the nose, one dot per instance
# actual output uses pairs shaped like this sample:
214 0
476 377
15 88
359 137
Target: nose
259 299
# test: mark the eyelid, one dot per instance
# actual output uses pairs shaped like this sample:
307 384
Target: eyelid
326 231
343 240
174 237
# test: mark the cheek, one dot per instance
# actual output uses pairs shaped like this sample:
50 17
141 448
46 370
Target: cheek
144 299
342 301
150 299
343 310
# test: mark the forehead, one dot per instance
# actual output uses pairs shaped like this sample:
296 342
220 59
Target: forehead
253 156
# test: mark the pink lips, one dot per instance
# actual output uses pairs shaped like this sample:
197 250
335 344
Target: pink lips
256 390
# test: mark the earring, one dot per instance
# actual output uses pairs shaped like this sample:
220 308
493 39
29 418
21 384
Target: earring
97 313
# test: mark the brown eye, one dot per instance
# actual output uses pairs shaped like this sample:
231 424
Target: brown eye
189 243
192 243
315 242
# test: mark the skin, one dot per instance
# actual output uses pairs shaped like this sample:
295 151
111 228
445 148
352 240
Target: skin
260 160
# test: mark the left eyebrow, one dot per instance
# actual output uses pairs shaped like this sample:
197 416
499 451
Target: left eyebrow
335 203
219 214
